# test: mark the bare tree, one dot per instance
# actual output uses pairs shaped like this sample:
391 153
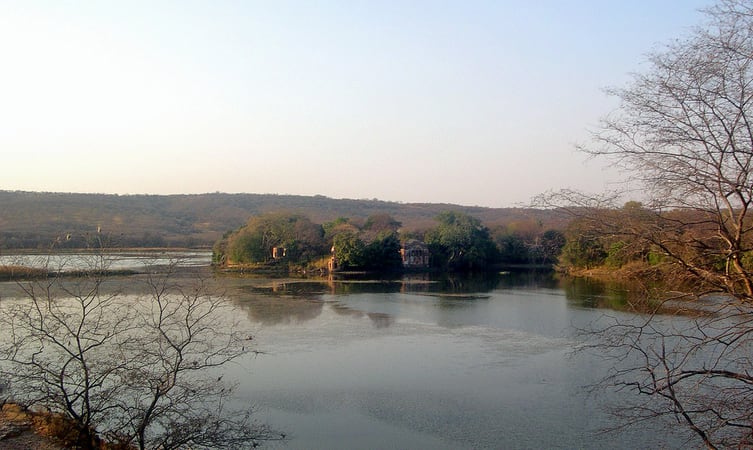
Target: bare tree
684 133
141 370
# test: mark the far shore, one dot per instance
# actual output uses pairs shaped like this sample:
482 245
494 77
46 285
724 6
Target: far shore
117 250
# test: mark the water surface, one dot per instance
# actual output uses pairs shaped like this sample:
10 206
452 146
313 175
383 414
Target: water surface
419 363
422 362
119 260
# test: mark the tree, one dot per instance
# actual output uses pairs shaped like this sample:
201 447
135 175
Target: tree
350 250
684 131
331 228
461 242
383 252
512 248
253 243
583 247
136 370
552 242
375 246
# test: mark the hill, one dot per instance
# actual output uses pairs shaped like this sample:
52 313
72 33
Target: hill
39 219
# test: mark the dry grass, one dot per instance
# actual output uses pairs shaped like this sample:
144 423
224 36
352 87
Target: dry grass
20 273
50 430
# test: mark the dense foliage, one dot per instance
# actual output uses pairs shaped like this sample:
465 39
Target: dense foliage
461 242
458 242
302 239
382 253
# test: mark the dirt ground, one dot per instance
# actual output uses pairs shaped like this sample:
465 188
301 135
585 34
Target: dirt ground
17 431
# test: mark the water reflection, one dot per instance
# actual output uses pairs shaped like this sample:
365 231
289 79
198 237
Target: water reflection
283 301
590 293
378 319
112 260
427 283
425 360
430 361
529 279
273 310
449 300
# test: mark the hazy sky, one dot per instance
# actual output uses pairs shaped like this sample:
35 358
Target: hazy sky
470 102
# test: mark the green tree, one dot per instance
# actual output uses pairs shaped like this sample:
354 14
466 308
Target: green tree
461 242
247 245
350 250
253 243
512 249
375 246
383 253
609 236
333 227
583 251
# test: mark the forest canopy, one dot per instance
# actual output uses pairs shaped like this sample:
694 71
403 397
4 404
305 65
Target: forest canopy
456 241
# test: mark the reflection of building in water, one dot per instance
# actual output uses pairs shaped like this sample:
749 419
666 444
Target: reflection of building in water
269 310
417 283
415 254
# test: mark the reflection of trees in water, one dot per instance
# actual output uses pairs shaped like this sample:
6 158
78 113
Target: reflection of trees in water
484 282
277 310
535 279
421 283
379 320
287 301
466 283
590 293
457 301
288 288
365 287
634 295
343 310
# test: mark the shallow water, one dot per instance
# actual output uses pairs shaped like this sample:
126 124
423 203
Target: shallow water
122 260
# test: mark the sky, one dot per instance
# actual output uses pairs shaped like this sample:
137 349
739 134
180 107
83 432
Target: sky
467 102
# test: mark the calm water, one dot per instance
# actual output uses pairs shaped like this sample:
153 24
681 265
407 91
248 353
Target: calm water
67 261
417 362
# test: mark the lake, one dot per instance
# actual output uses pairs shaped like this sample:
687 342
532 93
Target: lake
436 362
448 363
122 260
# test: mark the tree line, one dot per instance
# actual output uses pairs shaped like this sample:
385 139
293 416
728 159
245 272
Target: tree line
456 242
32 220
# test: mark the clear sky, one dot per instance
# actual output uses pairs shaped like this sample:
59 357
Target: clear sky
469 102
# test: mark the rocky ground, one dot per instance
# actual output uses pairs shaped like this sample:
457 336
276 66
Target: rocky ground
17 431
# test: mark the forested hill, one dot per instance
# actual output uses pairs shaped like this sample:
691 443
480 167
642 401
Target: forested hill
37 220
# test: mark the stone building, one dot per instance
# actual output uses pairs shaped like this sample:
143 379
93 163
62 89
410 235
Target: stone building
415 254
279 252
